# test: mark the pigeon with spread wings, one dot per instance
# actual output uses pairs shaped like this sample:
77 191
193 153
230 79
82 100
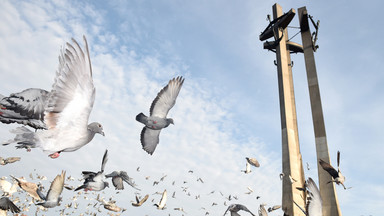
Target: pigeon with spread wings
338 178
53 196
67 108
158 120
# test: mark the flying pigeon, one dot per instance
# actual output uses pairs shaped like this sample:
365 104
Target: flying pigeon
67 108
53 196
5 161
262 211
247 168
29 187
163 200
253 162
338 178
158 120
95 181
110 205
234 208
118 177
314 202
7 205
26 107
273 208
140 202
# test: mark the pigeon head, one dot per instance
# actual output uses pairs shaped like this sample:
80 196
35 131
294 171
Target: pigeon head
170 121
96 128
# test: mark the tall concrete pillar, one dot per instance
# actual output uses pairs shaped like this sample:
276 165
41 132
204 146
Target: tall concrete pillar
291 156
327 191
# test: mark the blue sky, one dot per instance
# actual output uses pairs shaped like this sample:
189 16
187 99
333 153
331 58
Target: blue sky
228 108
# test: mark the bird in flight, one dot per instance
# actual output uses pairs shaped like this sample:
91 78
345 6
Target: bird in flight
158 111
338 178
67 108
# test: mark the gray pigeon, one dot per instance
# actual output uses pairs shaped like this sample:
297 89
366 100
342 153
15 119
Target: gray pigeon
67 109
26 107
95 181
234 208
118 177
53 196
7 205
158 120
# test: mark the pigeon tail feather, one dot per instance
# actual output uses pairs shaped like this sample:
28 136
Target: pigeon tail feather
24 137
141 118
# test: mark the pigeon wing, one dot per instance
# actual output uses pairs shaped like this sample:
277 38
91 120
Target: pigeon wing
149 139
166 98
329 168
104 161
26 107
253 162
314 204
144 199
73 93
7 205
163 200
127 179
56 187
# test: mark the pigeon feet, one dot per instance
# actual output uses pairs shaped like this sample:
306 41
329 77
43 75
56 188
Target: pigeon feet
54 155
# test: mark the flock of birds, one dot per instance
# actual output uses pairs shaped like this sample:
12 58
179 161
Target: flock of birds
60 121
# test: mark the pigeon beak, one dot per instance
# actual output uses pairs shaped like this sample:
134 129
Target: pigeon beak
102 133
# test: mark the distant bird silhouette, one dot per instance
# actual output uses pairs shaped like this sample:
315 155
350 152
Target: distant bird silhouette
163 201
247 168
338 178
5 161
140 202
158 120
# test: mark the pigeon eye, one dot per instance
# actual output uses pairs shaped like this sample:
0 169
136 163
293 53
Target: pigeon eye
99 126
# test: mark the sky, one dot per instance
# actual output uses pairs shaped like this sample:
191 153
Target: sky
227 109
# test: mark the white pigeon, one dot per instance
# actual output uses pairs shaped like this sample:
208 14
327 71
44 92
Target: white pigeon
26 107
53 196
314 205
158 120
95 181
163 201
67 109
